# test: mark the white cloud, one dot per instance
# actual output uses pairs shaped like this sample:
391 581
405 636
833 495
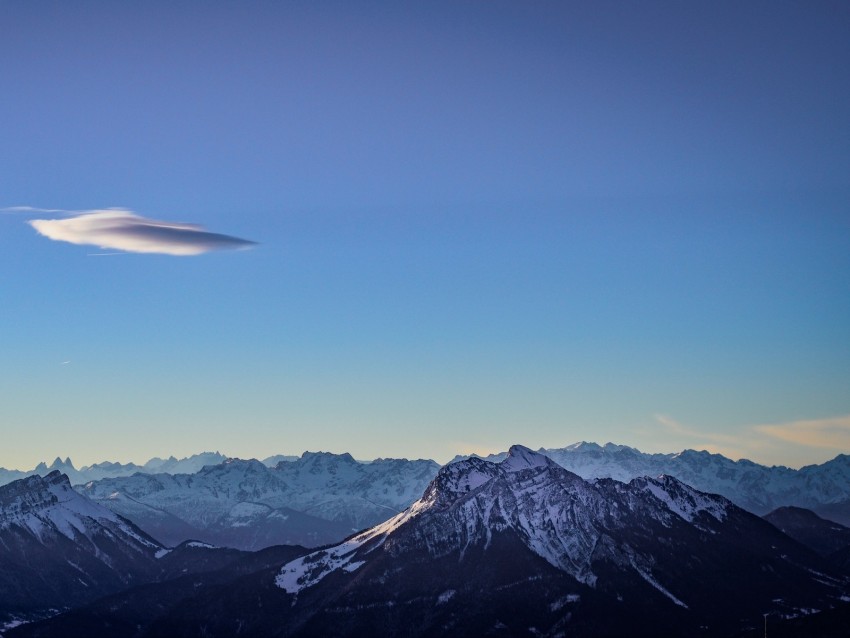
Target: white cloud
121 229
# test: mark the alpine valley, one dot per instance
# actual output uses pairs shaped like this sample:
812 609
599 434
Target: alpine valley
586 540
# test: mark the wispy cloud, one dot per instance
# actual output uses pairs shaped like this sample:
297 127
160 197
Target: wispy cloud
121 229
31 210
830 434
740 445
804 440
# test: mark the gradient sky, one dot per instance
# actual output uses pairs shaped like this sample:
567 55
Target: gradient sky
478 224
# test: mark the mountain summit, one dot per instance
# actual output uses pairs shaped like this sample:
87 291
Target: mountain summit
522 458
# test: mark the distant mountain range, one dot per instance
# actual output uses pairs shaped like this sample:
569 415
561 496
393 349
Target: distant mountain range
517 548
314 500
107 469
321 497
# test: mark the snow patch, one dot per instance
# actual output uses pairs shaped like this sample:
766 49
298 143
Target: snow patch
687 503
309 570
648 578
11 624
563 602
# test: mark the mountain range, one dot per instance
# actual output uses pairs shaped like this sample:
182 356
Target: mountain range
758 488
108 469
823 488
522 547
320 497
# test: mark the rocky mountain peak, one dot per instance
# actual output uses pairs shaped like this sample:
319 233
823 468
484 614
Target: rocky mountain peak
522 458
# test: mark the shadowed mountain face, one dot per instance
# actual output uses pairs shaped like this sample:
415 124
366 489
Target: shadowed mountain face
188 571
824 537
523 547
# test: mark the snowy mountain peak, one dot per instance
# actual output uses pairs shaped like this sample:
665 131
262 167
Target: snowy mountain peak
584 446
54 479
522 458
47 506
327 457
35 493
456 479
614 447
234 463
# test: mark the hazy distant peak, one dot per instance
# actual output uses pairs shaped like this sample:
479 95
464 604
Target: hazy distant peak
58 463
584 445
231 465
345 457
273 461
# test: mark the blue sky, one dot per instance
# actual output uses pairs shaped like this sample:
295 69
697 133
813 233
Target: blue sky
478 224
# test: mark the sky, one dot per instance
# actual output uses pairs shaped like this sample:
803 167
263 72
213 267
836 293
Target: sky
423 229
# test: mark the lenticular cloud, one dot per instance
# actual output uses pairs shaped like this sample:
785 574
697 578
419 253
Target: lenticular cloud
120 229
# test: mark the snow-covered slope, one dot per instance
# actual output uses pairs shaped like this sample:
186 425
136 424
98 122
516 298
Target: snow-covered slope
58 548
315 500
